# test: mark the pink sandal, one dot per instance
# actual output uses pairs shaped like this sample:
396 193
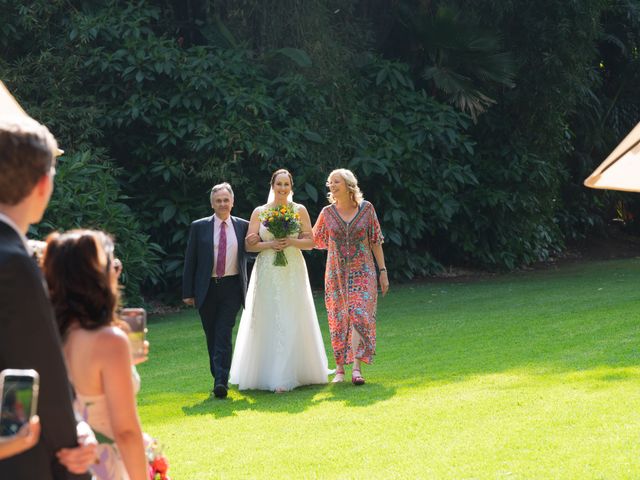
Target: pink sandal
356 377
339 377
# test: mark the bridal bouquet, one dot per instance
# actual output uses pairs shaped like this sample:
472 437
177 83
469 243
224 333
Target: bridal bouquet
281 221
158 463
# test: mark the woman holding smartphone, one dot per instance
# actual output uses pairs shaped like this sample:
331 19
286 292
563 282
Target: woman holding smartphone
80 270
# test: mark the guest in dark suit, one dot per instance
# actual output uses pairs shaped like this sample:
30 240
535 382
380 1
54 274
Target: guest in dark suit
28 335
215 279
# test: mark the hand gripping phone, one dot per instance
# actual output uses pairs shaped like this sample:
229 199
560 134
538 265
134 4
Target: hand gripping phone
19 399
136 318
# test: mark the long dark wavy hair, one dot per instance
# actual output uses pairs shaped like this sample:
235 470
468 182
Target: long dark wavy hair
82 283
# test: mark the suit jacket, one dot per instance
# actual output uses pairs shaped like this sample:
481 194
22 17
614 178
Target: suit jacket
29 339
198 261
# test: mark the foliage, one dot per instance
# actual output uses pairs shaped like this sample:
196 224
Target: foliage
508 218
460 60
171 97
609 110
529 130
87 195
418 151
193 117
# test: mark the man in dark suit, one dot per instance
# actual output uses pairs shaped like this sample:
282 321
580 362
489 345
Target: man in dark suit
28 334
215 279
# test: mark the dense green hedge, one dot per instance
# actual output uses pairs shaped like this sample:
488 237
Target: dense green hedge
152 116
87 195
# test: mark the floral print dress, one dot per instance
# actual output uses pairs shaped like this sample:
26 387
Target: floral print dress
351 284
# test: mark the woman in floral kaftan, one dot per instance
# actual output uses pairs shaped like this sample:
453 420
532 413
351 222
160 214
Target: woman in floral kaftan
349 230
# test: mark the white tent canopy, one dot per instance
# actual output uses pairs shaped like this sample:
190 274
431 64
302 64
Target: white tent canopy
11 111
9 108
621 169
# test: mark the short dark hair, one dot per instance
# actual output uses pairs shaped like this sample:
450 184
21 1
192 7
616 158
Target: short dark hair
81 287
27 152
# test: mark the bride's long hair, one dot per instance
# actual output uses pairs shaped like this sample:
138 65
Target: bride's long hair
272 194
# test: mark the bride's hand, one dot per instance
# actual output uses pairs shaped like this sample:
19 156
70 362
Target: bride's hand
284 242
275 244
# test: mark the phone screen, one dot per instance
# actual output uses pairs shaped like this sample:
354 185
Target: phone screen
17 403
136 318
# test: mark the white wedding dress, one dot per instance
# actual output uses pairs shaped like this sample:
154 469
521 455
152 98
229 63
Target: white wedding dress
279 345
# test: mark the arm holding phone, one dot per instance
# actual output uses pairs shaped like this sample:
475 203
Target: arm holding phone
121 401
26 438
19 425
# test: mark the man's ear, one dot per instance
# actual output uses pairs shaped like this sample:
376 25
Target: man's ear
42 185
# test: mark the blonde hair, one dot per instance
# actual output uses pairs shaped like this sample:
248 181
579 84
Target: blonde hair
352 185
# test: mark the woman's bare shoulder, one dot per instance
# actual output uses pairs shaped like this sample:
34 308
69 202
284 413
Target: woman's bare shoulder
111 338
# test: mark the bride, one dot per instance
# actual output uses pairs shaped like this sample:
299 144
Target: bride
279 345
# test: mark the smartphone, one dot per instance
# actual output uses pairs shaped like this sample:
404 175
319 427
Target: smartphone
136 318
19 399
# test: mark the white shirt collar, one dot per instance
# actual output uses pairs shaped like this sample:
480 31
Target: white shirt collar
6 219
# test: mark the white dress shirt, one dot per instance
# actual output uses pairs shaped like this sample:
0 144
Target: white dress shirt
231 263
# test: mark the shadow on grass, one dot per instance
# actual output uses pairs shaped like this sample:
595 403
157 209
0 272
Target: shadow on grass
295 401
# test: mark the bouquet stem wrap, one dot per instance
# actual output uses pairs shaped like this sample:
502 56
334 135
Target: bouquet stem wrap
281 259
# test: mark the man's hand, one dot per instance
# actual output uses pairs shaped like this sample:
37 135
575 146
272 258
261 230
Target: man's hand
79 459
252 239
189 301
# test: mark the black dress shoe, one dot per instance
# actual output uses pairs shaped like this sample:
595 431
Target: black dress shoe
220 391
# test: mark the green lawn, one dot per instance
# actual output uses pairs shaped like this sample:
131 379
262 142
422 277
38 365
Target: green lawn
528 375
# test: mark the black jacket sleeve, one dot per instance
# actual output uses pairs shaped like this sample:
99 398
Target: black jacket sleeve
29 339
190 261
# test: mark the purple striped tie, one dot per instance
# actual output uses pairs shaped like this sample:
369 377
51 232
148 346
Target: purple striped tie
222 251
